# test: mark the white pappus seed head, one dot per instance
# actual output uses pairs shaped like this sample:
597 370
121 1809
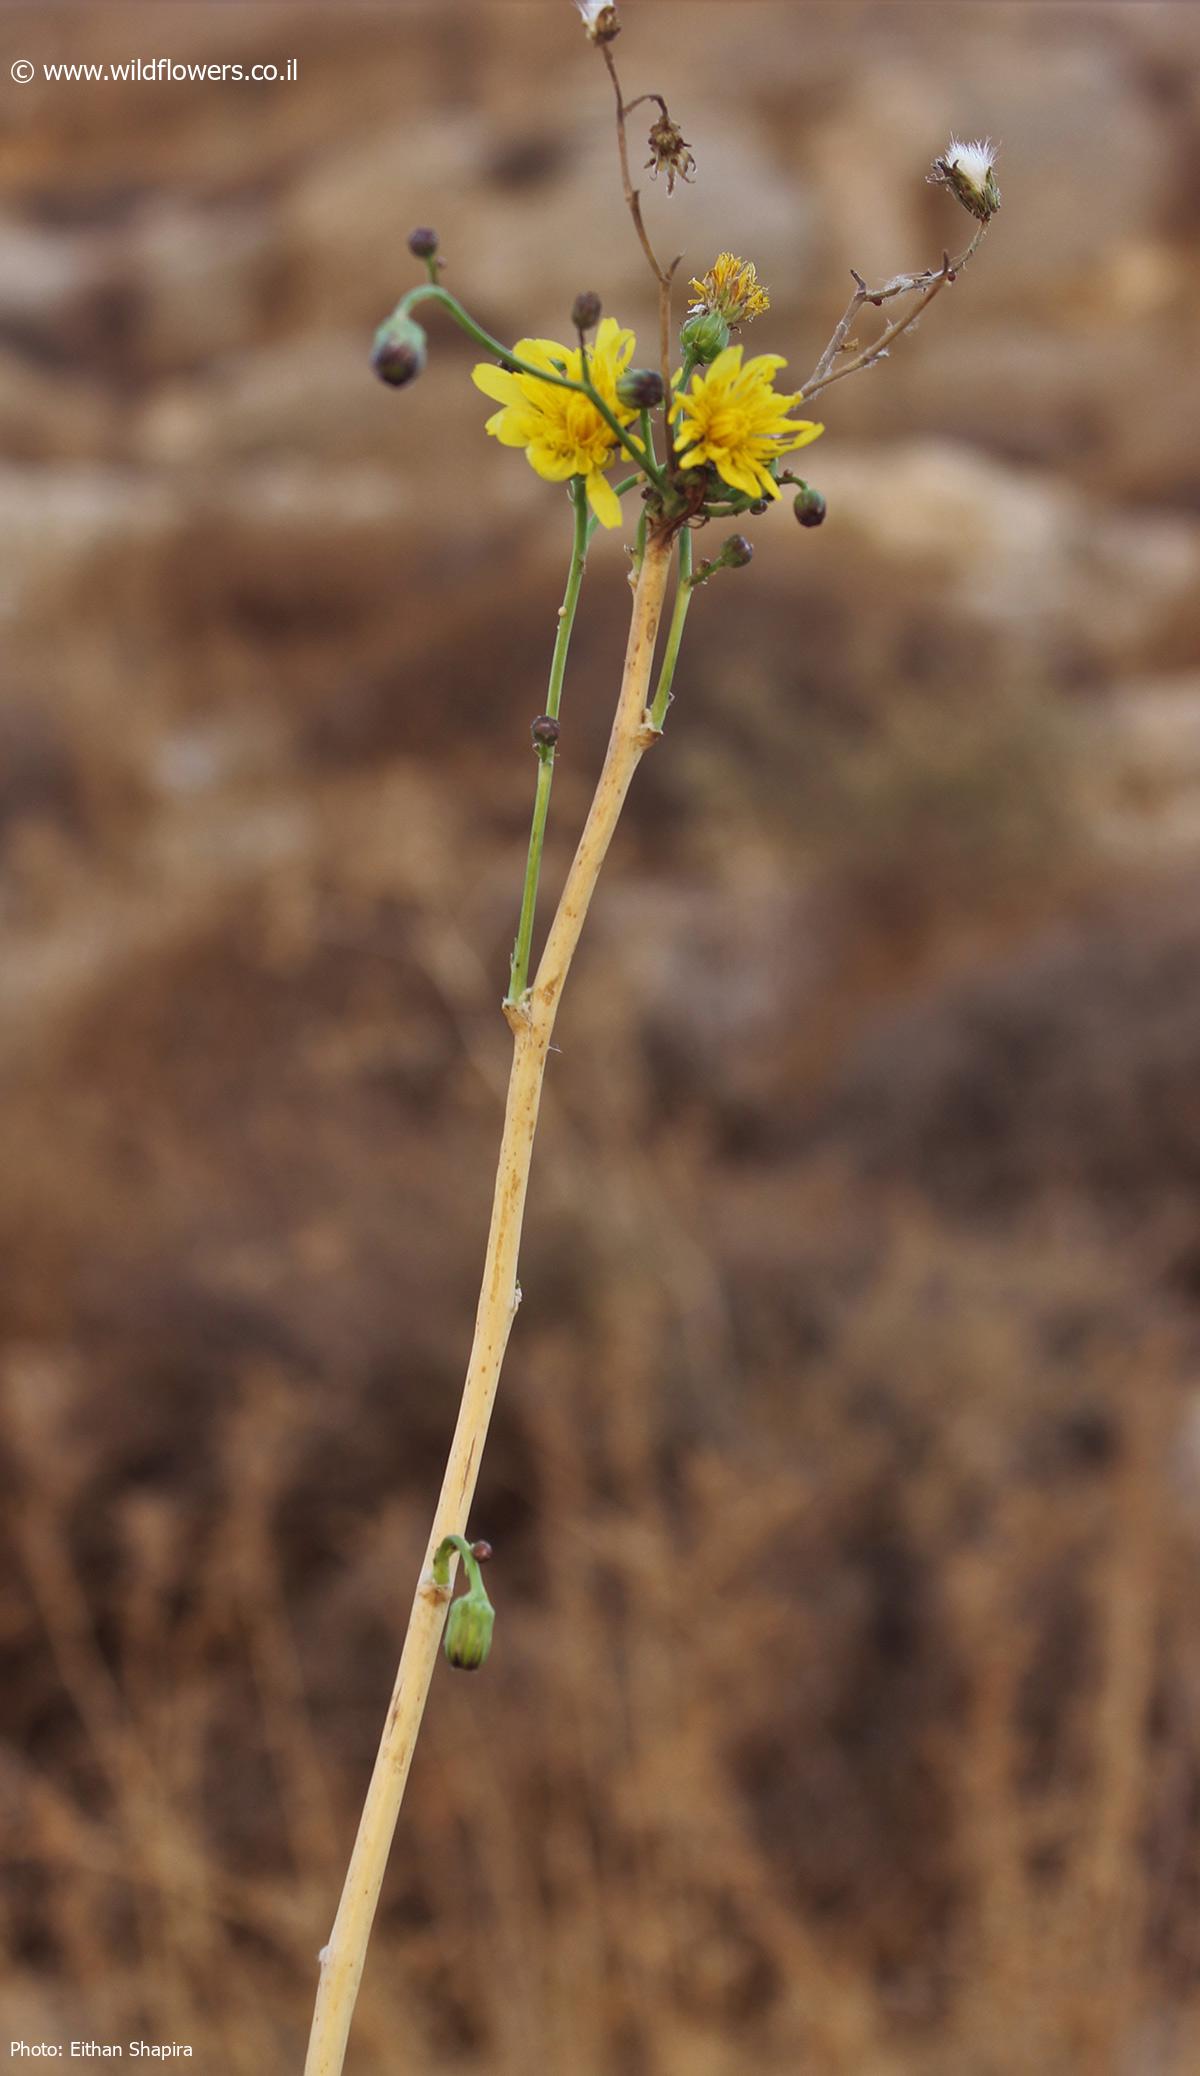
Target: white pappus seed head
970 170
599 19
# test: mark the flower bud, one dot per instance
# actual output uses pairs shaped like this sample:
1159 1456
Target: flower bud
398 354
808 505
969 171
702 338
468 1636
585 310
422 243
736 552
641 387
545 732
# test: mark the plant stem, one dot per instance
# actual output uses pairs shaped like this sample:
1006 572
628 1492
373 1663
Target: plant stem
519 971
683 599
532 1022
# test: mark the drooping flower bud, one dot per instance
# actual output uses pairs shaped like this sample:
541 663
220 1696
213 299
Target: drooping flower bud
969 170
585 310
599 19
399 351
469 1630
422 243
702 338
808 505
642 388
468 1634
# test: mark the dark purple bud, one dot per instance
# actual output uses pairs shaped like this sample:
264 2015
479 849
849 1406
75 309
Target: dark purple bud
422 242
585 310
640 387
808 505
398 354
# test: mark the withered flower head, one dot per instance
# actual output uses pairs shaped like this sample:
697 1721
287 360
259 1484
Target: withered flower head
669 151
731 288
599 19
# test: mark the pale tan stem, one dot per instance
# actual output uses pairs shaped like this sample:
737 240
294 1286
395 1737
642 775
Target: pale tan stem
533 1022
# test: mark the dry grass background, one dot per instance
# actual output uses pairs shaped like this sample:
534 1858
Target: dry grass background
845 1709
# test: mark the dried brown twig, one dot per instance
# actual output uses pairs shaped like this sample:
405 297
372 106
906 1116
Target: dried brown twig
925 286
663 276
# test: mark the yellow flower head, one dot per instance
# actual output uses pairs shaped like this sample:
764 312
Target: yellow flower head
733 417
732 288
561 431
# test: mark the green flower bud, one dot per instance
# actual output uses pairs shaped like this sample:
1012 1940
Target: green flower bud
737 551
641 387
585 310
468 1636
704 336
808 505
399 351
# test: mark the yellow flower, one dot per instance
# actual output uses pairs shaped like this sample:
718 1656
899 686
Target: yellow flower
561 431
734 417
732 288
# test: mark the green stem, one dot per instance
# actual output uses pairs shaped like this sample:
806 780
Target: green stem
431 292
683 599
519 974
647 432
441 1562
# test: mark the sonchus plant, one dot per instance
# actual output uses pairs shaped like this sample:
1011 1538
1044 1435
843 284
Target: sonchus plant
696 440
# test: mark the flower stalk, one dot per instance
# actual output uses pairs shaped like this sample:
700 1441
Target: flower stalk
519 969
532 1021
683 599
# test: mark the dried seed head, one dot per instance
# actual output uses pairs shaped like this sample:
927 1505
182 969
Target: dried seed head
669 152
969 171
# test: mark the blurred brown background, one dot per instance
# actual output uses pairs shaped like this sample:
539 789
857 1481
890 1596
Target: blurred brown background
844 1714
